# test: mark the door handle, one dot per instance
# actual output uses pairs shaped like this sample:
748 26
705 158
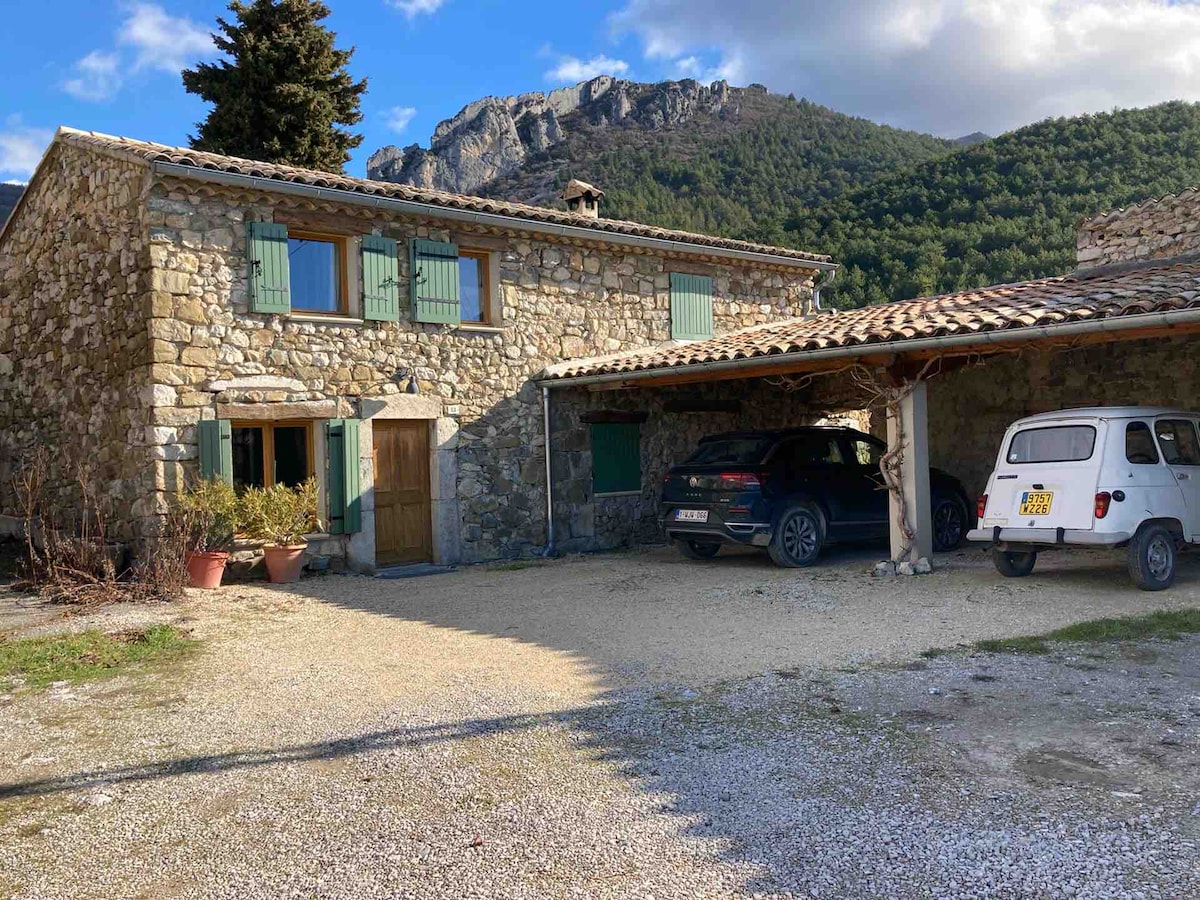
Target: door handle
1182 476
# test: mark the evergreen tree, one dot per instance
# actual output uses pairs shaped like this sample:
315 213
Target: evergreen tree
282 92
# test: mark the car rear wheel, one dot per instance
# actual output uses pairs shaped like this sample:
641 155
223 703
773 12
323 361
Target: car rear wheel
1152 558
949 522
797 538
1014 565
699 549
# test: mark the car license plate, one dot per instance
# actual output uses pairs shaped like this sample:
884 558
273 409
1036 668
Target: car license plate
1036 503
691 515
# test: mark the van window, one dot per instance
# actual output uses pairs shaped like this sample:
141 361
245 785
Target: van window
1062 443
1177 438
1139 445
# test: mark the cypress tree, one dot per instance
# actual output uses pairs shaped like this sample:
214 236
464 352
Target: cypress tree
282 91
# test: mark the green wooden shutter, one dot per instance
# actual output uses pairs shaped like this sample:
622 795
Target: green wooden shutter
380 279
616 458
216 449
267 253
691 307
434 281
342 485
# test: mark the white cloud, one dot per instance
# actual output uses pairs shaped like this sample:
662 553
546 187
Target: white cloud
398 117
414 8
148 38
947 66
694 67
97 77
571 69
161 41
21 148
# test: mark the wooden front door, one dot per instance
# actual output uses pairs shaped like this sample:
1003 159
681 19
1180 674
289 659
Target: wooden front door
403 524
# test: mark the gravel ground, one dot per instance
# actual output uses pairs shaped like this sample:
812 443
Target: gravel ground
619 726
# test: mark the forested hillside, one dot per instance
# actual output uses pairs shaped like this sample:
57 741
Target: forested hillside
724 173
1003 210
905 213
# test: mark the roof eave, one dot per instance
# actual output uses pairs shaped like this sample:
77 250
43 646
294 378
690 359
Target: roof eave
954 342
396 204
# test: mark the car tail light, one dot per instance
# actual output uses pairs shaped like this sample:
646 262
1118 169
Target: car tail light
982 507
739 481
1102 500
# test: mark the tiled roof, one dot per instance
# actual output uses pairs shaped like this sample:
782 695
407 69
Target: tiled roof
1048 301
152 152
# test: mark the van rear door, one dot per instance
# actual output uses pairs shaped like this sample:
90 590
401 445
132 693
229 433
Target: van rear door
1047 474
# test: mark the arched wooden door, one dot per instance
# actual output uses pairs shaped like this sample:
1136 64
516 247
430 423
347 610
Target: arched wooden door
403 521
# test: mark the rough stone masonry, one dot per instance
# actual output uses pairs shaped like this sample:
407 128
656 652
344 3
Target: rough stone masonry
125 321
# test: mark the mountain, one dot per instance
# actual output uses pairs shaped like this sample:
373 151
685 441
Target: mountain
677 153
1000 211
906 214
9 195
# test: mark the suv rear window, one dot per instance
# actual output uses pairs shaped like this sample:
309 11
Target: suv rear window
1060 443
742 451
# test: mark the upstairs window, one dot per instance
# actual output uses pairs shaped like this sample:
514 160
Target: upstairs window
317 267
474 289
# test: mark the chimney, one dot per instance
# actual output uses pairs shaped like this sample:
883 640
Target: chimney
582 198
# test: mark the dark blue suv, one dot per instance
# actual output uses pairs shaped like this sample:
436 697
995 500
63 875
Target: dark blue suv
793 491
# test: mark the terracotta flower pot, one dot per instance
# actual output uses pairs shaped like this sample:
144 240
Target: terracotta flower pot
284 563
205 569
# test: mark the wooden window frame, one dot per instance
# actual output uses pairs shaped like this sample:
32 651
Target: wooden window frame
342 257
268 426
485 288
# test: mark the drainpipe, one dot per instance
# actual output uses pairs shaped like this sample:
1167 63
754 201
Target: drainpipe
551 549
826 281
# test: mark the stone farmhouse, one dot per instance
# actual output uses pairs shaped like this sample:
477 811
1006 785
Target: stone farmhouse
167 313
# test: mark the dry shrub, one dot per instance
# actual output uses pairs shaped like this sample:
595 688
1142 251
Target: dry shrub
70 556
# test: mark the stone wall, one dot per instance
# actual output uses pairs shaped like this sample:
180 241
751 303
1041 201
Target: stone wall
1155 229
73 338
970 409
676 419
557 300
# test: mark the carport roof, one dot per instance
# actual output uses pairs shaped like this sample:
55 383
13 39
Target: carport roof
1134 297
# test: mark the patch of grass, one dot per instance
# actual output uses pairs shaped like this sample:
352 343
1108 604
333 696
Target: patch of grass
89 654
1165 624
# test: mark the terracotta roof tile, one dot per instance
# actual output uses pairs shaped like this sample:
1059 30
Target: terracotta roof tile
152 152
1047 301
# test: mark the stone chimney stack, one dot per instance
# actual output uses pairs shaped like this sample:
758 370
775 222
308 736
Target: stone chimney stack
582 198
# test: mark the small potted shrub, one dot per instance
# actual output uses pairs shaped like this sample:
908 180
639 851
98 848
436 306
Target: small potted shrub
280 517
208 516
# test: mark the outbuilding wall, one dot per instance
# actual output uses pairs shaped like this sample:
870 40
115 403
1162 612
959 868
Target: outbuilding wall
74 342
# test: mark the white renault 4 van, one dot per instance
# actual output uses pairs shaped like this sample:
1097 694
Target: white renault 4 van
1126 476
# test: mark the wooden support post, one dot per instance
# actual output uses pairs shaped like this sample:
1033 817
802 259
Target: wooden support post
910 427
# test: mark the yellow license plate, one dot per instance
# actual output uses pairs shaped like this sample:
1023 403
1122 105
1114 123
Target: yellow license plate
1036 503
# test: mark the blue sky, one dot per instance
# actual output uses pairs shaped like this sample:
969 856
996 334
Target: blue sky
949 67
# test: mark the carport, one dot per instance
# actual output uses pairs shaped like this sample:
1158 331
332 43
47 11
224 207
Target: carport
950 373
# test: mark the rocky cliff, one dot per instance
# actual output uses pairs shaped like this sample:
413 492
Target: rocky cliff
497 137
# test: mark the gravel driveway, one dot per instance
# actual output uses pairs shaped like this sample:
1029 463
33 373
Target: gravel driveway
621 726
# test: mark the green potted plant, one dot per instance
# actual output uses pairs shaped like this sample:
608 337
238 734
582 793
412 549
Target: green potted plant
280 517
208 515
